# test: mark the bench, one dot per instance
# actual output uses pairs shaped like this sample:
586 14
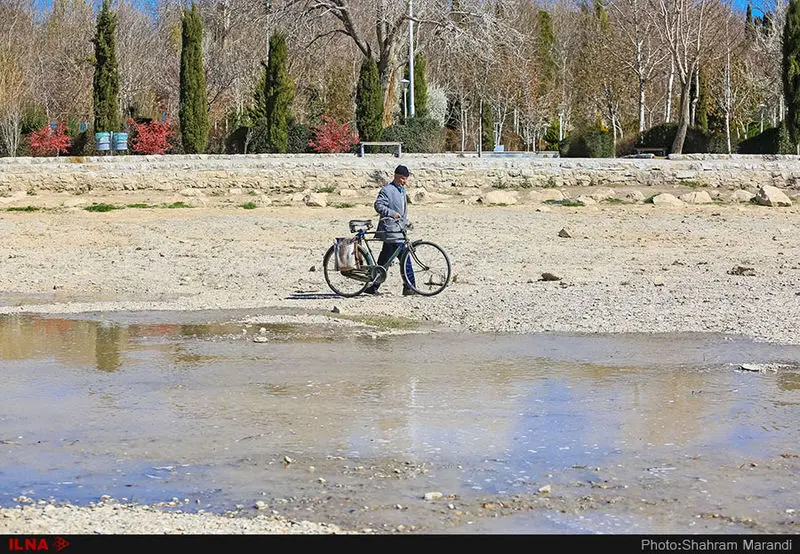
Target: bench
654 151
397 144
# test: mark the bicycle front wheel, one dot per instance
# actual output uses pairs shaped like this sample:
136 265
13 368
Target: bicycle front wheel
430 266
347 283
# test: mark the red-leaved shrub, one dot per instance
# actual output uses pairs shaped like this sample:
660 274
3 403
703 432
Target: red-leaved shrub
331 137
151 138
49 141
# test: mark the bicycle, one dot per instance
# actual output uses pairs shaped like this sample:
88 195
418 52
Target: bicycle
429 262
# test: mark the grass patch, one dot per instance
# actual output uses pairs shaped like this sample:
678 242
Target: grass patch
140 206
649 199
499 184
565 202
329 188
102 207
692 184
249 205
550 183
613 200
23 209
381 321
344 205
176 205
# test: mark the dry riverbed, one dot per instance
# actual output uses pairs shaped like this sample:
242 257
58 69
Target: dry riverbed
730 268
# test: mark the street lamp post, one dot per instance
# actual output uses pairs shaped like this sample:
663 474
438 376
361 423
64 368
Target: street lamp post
411 58
405 83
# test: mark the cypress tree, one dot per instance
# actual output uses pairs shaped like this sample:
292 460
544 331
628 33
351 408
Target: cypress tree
369 102
279 93
193 110
487 128
791 69
258 111
420 86
701 115
105 83
749 25
257 114
546 48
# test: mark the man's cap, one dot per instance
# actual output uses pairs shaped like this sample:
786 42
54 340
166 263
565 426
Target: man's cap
401 170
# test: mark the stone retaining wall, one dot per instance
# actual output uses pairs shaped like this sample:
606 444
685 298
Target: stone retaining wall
294 173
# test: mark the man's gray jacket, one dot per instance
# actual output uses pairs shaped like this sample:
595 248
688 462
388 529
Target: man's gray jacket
391 200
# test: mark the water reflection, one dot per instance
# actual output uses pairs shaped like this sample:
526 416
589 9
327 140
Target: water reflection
108 347
508 408
101 344
73 342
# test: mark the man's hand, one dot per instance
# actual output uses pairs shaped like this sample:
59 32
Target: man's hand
397 216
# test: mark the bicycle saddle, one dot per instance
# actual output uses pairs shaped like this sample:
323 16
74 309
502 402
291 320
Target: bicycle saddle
358 224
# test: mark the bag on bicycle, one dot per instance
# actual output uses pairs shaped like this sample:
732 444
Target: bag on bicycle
348 256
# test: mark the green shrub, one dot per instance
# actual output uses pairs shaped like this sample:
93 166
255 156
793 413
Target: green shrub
626 146
663 135
299 136
82 144
420 134
235 143
587 143
259 139
774 140
718 143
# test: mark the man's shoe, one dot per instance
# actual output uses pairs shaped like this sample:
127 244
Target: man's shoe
409 292
372 290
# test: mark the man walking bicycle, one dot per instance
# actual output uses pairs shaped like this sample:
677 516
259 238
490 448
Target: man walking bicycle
392 204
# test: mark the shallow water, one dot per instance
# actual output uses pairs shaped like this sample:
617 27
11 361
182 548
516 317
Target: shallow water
157 405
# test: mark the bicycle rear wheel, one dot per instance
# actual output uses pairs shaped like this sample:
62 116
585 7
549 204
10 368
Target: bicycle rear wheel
347 283
430 265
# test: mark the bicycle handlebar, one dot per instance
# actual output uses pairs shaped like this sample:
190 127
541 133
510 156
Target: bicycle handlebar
404 226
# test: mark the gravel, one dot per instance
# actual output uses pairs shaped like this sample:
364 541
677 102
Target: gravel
620 268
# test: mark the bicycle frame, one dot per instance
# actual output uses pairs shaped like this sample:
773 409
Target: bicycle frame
362 236
404 244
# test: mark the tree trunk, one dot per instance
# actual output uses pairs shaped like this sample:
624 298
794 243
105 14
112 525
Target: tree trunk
670 82
642 84
728 99
463 125
480 127
683 124
695 96
388 98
